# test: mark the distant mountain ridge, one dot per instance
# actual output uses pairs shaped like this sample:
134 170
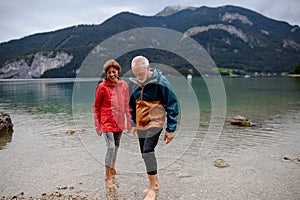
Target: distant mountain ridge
169 10
235 37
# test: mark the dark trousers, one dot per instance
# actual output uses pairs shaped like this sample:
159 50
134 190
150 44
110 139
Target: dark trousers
148 140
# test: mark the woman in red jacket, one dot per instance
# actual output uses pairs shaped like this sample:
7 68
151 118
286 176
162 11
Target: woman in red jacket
110 108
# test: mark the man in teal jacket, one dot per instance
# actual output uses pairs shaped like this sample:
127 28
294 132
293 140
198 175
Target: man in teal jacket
152 101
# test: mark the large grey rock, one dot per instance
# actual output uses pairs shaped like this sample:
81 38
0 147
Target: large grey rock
6 129
6 125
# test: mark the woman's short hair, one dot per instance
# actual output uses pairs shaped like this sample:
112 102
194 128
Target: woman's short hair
111 63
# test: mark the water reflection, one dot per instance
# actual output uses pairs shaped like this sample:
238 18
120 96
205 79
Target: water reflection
30 101
5 139
40 96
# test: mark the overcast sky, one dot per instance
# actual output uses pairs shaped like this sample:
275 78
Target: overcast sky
19 18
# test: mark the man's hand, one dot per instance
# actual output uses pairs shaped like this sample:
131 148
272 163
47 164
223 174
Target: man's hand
134 131
168 137
99 133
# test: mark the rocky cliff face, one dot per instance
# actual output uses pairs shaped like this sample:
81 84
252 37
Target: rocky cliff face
239 33
33 66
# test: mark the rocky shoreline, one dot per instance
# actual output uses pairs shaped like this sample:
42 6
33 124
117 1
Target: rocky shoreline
61 193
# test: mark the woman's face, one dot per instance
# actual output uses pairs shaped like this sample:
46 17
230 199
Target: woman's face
112 74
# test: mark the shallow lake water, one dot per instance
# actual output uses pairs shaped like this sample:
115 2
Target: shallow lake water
40 158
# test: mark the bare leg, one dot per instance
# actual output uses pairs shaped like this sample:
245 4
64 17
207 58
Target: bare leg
108 180
151 190
156 185
113 168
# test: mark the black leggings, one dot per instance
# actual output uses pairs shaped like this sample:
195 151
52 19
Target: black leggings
148 140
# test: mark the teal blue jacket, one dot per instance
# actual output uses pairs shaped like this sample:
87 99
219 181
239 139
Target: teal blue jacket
152 102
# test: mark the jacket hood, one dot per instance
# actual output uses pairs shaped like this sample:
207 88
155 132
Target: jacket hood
150 99
155 75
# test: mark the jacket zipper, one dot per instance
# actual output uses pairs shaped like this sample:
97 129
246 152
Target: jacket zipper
117 92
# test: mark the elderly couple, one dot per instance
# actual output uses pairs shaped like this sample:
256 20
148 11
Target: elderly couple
146 104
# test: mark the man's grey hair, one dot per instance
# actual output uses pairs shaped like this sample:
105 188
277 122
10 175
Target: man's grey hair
144 61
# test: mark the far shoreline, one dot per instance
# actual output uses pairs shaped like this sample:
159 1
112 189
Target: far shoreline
294 75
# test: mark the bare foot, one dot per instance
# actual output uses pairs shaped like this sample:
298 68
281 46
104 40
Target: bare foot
110 184
156 188
113 171
150 195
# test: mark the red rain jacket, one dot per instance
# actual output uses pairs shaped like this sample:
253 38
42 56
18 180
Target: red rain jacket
111 107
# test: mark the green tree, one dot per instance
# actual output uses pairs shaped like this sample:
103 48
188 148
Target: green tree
296 69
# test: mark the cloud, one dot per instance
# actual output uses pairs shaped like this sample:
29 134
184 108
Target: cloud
20 18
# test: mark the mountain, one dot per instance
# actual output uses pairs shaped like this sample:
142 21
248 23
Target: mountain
234 37
173 9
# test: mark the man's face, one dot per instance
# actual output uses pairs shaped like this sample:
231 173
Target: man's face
140 72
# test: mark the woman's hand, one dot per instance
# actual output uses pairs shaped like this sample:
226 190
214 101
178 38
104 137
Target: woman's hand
99 133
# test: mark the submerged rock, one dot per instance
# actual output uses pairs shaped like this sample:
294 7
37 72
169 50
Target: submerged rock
241 121
72 131
6 125
221 163
5 139
291 158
